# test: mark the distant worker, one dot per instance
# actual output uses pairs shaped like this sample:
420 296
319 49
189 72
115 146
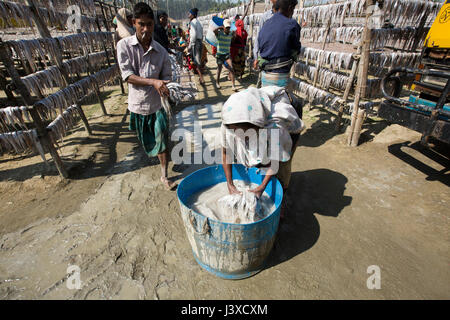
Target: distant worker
124 22
279 45
196 42
224 37
266 16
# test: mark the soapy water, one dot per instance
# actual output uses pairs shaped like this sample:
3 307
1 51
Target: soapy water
217 203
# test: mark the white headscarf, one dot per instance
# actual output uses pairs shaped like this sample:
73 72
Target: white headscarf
270 108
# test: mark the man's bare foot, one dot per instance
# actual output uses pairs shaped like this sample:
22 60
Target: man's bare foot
234 89
218 85
170 185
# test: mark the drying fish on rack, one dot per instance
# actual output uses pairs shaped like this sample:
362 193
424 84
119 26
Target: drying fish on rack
42 82
317 15
379 61
19 142
369 106
397 37
11 10
106 76
350 35
13 118
325 78
76 65
316 96
409 12
58 128
97 58
85 41
336 60
313 3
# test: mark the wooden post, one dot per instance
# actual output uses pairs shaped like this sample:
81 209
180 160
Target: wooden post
357 116
347 89
96 88
104 17
5 57
252 11
83 118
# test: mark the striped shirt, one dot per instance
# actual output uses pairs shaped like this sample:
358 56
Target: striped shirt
223 42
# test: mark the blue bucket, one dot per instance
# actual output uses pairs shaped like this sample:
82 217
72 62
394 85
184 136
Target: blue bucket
228 250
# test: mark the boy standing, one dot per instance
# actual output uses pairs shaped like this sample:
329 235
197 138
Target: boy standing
224 37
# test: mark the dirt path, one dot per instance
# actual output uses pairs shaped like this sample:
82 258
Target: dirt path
350 208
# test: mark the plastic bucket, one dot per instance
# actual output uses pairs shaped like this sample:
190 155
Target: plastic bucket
227 250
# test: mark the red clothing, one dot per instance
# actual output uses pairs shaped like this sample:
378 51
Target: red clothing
240 38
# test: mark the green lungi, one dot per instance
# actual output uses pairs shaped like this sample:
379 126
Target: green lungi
152 131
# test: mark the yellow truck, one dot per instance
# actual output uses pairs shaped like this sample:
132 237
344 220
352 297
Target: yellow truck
428 109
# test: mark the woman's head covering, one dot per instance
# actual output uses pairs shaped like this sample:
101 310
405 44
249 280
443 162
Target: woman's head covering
240 30
268 108
124 29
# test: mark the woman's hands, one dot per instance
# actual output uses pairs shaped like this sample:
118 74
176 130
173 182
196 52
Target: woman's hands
258 191
232 189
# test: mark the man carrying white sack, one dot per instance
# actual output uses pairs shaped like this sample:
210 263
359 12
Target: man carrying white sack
260 128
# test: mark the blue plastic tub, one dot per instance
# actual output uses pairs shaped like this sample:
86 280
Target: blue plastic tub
227 250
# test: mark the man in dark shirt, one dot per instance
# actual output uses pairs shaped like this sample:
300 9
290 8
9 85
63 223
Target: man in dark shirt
160 33
279 44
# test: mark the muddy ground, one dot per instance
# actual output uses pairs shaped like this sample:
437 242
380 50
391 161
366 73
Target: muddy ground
384 203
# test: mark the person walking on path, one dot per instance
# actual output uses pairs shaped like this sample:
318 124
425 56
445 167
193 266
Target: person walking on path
145 65
238 48
196 42
224 37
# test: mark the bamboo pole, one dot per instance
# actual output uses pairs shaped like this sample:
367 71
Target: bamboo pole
252 11
357 116
347 89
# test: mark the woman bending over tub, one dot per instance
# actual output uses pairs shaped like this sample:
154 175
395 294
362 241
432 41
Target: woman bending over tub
260 128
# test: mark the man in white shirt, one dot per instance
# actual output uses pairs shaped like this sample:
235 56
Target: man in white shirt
196 41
